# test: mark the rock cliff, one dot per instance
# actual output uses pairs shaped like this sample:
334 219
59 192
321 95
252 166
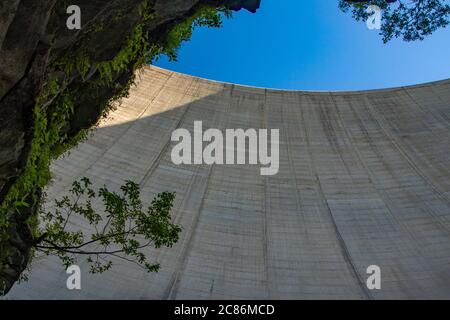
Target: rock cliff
55 83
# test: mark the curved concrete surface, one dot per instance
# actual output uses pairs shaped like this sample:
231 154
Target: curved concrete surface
364 180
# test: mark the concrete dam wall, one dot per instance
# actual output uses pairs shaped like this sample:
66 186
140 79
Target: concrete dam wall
363 179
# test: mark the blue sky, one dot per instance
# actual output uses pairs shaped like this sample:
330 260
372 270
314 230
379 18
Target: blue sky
309 45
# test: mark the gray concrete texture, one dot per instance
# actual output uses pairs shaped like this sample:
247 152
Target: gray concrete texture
364 180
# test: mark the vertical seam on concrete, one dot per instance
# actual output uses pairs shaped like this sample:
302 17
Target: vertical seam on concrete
171 291
379 120
266 207
292 169
184 250
381 193
443 119
345 252
341 241
330 131
433 89
436 116
163 151
166 146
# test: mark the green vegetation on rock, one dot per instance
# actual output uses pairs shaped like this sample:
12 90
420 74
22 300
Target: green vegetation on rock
77 79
